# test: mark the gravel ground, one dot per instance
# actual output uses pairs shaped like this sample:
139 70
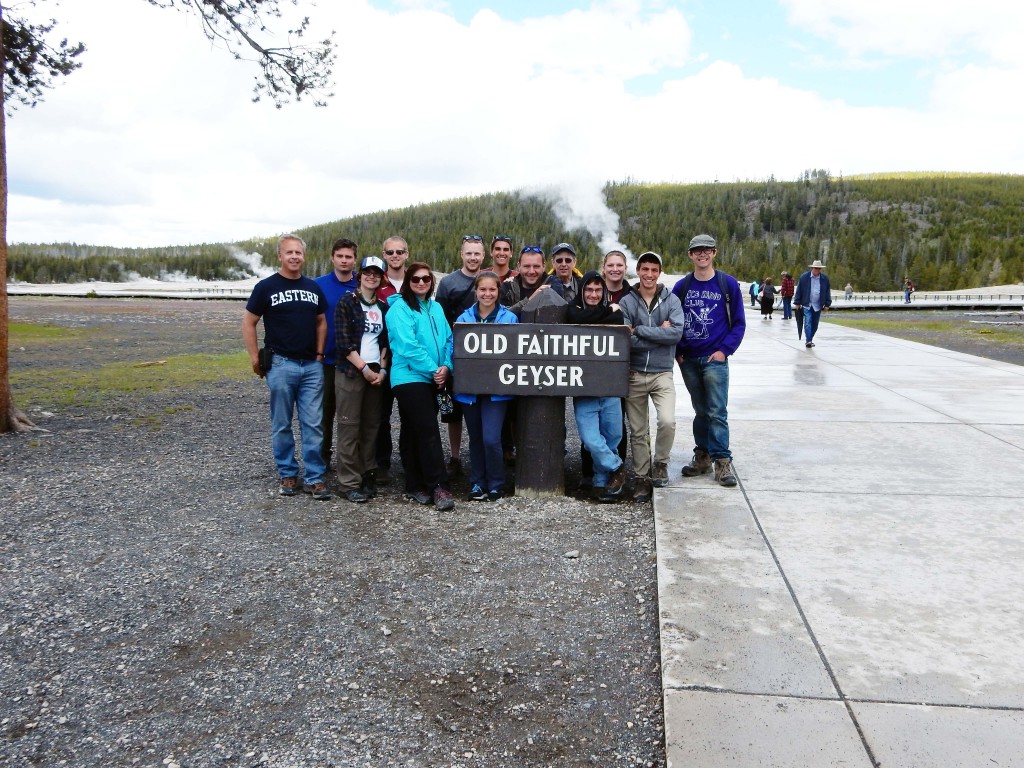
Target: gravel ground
163 606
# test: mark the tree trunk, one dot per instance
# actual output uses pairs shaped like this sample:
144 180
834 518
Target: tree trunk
11 419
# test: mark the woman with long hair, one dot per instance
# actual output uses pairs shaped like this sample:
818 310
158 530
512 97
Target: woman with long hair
420 367
485 414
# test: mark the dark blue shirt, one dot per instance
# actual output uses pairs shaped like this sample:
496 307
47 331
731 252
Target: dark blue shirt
289 309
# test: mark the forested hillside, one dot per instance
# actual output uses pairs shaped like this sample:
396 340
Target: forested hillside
947 231
74 263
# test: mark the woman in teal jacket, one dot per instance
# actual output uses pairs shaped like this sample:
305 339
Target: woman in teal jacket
421 364
485 414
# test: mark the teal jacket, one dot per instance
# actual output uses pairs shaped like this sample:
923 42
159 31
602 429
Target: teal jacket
418 340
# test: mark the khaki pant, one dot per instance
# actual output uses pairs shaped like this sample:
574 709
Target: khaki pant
359 411
660 388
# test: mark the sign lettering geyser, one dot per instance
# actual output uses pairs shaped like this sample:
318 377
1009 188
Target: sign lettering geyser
548 360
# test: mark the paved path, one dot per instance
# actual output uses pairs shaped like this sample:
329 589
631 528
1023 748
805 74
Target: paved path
857 601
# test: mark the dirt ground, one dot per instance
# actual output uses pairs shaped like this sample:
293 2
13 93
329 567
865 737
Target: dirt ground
163 606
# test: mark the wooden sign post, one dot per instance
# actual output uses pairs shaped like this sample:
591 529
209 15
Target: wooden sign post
541 362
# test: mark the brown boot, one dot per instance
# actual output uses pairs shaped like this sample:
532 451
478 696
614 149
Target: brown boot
723 473
700 464
616 481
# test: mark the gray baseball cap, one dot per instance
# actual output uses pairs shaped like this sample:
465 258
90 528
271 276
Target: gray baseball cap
564 247
703 241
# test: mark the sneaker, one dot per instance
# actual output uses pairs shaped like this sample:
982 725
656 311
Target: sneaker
700 464
643 490
616 482
356 496
454 468
659 474
289 486
318 491
420 497
443 500
723 473
494 495
369 484
477 494
809 344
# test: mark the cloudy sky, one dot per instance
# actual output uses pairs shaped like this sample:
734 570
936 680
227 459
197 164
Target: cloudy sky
155 141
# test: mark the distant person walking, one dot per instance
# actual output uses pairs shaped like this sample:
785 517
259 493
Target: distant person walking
849 291
767 299
908 288
292 307
753 293
786 291
814 295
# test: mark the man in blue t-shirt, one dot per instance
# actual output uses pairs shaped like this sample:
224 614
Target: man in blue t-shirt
295 329
713 305
335 284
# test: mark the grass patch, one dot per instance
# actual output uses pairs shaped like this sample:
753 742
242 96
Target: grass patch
881 325
62 387
20 334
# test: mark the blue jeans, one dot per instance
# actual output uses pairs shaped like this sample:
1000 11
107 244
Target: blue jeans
297 385
708 385
484 420
787 307
599 422
811 319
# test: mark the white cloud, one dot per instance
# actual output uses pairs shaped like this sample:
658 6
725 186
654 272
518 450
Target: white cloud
155 140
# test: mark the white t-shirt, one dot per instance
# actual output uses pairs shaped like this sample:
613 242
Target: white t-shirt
373 324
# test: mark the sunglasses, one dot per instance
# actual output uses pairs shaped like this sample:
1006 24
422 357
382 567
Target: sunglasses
564 260
499 238
466 238
421 278
399 251
532 249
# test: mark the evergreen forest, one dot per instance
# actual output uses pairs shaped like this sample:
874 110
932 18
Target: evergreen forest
946 231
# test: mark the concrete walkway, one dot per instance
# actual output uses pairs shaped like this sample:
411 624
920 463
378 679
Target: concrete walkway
857 601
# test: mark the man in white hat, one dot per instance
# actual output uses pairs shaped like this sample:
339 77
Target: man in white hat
814 294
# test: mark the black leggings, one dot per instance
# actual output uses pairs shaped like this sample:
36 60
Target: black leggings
419 442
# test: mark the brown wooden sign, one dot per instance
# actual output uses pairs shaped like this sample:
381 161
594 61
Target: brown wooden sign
549 360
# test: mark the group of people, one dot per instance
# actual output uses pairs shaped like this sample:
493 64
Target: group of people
810 296
340 350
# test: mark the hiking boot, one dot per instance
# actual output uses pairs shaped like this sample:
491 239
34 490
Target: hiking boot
643 490
289 486
443 500
318 491
659 474
700 464
420 497
369 485
723 473
616 482
477 493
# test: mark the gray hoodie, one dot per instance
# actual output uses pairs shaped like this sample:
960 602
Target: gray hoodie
652 347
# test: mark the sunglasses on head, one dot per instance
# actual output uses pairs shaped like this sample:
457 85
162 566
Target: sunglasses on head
399 251
501 238
532 249
420 278
466 238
